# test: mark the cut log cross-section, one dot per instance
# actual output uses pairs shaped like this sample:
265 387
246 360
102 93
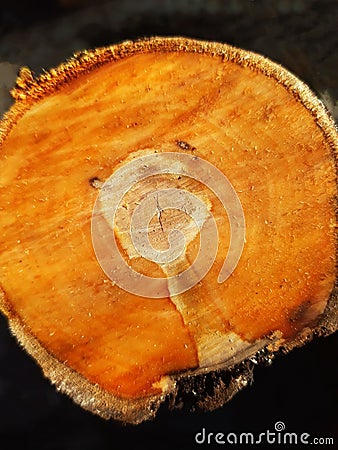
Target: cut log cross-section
152 126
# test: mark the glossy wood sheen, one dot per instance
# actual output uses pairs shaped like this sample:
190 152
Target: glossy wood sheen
245 123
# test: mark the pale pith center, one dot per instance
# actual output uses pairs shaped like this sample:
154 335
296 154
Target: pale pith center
212 347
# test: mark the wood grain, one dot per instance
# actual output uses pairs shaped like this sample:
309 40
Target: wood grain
119 354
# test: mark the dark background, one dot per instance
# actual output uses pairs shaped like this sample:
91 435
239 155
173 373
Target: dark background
299 389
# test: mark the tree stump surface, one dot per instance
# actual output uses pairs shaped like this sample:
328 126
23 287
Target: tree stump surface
120 354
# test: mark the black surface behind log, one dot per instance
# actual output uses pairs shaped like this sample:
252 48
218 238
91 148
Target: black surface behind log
299 389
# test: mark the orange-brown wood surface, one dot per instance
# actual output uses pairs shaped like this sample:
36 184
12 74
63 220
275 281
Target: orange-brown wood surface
242 117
